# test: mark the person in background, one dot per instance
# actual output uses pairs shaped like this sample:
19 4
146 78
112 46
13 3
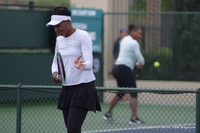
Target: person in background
129 57
122 33
78 94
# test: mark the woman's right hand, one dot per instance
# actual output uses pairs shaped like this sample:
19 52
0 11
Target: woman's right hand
56 77
138 65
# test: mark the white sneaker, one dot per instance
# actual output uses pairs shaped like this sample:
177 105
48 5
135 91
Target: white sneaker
136 121
108 117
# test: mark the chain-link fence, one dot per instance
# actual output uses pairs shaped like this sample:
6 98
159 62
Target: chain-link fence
171 38
24 6
28 109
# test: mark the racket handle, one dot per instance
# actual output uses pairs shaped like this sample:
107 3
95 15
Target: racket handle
59 77
138 72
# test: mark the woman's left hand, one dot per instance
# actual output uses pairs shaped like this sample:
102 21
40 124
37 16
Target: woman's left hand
78 63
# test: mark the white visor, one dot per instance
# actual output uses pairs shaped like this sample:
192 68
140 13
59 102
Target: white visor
56 19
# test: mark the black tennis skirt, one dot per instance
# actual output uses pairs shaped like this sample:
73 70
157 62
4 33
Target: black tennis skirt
83 96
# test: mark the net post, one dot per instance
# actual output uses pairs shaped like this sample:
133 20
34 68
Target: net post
198 111
19 109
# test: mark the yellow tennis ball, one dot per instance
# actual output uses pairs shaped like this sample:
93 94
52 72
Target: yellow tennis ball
156 64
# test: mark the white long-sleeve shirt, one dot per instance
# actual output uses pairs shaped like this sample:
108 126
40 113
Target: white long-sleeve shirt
129 53
79 43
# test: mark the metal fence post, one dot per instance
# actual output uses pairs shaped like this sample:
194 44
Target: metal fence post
31 5
198 111
19 109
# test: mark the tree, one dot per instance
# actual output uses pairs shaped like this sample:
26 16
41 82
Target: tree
188 39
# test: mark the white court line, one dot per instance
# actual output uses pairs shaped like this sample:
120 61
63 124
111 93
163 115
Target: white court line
179 126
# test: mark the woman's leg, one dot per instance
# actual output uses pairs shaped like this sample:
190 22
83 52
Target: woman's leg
74 119
65 115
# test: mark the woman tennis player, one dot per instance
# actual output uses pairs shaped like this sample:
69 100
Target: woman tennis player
78 94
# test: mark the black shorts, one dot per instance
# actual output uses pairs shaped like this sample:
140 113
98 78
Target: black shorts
83 96
125 78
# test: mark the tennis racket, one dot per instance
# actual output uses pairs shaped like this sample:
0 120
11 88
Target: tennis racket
61 69
138 70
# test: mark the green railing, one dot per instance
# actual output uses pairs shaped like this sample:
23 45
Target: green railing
33 108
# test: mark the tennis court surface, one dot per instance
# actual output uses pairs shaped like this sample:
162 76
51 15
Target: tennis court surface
185 128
